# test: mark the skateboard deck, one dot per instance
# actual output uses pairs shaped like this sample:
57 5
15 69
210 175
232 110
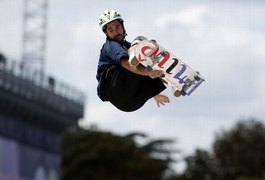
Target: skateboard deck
176 73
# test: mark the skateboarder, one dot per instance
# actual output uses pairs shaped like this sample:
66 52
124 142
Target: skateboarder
125 86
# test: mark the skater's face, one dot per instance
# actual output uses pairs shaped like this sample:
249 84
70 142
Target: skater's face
115 31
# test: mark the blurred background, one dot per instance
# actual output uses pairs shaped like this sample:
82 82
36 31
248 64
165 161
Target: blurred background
53 125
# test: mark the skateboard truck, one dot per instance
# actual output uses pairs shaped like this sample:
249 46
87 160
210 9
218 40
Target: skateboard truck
149 68
187 85
156 58
188 82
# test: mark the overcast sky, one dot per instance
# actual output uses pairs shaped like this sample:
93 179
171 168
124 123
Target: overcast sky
223 40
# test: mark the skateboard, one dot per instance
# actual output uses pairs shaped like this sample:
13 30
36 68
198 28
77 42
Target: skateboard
176 73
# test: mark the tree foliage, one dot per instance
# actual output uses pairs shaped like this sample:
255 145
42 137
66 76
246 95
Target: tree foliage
241 151
200 166
90 154
237 154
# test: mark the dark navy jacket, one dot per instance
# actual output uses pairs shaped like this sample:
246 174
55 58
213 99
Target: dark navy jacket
110 54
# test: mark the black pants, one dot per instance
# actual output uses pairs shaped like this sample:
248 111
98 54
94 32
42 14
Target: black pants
129 91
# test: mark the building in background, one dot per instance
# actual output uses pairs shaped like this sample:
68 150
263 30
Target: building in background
34 111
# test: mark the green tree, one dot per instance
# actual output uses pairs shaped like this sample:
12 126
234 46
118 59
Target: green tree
90 154
238 154
241 150
201 165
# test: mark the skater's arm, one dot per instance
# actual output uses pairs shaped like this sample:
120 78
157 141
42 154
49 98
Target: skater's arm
125 63
140 70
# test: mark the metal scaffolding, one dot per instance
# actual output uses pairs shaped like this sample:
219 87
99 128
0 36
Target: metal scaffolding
34 34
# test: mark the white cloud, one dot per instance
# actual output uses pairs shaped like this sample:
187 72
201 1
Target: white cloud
258 44
190 16
100 113
88 33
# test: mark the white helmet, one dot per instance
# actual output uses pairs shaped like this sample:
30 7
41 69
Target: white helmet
109 16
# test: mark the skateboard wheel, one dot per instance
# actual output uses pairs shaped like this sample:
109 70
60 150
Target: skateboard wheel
163 53
134 62
183 93
149 68
197 78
